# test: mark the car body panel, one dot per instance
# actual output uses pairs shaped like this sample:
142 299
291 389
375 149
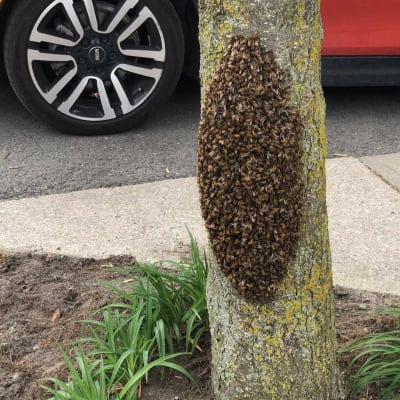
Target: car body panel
361 27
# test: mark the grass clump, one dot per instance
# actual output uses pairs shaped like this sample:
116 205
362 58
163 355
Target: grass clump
178 298
379 357
158 315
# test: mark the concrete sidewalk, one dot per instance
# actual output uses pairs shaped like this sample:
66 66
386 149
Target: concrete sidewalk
148 222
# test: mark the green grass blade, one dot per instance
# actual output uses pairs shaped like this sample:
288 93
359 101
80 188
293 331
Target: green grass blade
160 362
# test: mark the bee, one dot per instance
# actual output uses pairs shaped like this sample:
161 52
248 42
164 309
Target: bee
249 168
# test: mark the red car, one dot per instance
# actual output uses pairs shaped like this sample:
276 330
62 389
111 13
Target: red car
361 44
99 66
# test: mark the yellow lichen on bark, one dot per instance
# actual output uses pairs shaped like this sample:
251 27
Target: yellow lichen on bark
218 20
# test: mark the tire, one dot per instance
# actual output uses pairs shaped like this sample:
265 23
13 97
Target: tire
93 66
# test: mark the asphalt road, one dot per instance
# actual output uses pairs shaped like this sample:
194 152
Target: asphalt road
36 160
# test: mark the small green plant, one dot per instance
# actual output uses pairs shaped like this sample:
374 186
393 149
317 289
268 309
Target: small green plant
95 380
87 380
379 355
175 294
157 314
178 298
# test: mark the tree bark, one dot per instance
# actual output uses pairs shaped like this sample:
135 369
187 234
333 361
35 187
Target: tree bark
285 347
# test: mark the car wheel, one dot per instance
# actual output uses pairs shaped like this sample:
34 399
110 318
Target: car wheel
93 66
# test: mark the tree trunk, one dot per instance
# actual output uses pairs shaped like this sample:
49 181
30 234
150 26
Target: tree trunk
284 346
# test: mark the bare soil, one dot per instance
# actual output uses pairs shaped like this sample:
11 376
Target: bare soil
41 296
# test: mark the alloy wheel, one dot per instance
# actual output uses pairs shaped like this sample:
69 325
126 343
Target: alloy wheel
96 60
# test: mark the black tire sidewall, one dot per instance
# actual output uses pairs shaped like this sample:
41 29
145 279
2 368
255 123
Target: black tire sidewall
18 30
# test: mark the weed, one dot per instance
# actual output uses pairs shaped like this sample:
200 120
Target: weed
379 355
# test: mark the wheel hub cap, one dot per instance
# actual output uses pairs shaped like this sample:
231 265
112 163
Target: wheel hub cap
97 55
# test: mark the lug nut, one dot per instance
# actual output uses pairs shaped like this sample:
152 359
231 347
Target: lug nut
104 40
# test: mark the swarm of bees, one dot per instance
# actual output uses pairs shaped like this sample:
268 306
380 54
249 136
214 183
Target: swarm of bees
250 168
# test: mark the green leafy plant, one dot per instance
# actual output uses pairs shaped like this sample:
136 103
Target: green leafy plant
91 380
121 340
158 311
87 379
379 356
174 293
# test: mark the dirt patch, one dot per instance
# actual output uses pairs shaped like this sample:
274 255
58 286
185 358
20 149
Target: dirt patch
40 295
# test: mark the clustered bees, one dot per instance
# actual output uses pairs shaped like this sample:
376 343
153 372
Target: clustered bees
250 168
